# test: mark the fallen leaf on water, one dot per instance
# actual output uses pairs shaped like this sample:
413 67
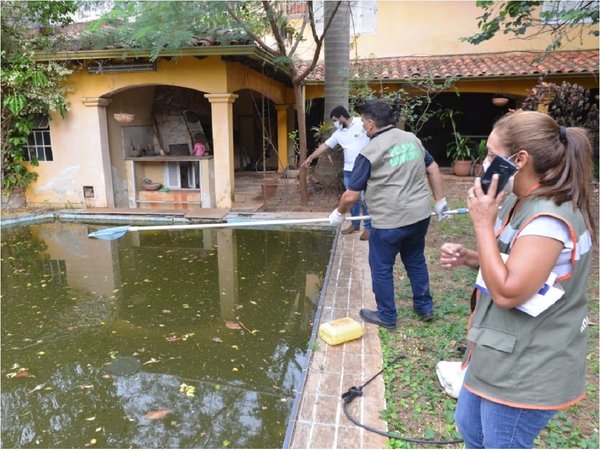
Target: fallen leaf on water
156 415
90 418
151 361
38 387
233 325
23 373
216 339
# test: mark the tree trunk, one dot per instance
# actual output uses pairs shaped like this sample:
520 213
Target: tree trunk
301 117
337 58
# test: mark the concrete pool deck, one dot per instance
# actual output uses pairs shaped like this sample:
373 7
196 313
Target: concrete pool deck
321 422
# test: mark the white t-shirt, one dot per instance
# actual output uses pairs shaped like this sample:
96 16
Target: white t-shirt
352 140
554 228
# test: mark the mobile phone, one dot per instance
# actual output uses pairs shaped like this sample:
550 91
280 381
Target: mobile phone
503 167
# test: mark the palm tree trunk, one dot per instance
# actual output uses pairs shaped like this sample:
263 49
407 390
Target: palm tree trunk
337 58
301 117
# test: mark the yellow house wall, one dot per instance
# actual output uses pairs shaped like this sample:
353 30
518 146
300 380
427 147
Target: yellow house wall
424 28
413 28
60 182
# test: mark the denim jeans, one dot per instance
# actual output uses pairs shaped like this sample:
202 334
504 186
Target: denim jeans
384 246
485 424
356 208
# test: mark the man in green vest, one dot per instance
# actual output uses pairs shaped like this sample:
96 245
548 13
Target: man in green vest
394 169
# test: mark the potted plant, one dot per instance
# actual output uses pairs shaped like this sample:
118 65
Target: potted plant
482 152
459 150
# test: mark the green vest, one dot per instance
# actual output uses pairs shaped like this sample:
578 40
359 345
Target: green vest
397 193
534 362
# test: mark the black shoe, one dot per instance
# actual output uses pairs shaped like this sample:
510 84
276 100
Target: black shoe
372 317
428 317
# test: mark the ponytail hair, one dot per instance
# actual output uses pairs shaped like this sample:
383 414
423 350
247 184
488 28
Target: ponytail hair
562 157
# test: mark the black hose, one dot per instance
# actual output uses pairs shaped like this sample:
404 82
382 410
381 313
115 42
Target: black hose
354 392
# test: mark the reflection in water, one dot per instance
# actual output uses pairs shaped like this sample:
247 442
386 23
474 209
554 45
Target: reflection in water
226 312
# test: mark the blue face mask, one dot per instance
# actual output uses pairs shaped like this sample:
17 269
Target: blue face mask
338 125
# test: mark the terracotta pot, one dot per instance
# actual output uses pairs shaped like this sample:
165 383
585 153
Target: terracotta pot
269 190
478 170
462 168
499 101
124 117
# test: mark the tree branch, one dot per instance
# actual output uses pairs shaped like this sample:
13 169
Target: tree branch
274 27
250 33
318 40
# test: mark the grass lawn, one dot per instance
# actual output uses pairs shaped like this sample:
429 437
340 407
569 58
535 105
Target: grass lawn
416 405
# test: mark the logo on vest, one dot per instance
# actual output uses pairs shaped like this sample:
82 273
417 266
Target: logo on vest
402 153
584 324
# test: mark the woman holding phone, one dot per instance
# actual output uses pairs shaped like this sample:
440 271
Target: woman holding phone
528 332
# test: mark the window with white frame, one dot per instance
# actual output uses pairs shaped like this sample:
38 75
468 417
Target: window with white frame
39 145
363 19
182 175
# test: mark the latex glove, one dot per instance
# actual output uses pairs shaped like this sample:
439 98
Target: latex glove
336 217
441 209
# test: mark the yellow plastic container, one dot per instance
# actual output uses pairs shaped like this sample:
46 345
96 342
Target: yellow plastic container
341 330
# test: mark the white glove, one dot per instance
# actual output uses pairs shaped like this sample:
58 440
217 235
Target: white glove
336 217
441 209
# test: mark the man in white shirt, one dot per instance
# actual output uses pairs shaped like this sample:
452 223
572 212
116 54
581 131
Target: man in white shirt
351 136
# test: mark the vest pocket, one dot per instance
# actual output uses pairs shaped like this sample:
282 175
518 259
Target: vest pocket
493 361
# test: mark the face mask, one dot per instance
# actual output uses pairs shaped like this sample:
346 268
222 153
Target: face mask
338 126
508 187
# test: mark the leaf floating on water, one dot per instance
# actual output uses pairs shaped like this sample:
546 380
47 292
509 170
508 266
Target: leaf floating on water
233 325
226 443
38 387
190 391
92 442
216 339
156 415
253 302
151 361
147 280
90 418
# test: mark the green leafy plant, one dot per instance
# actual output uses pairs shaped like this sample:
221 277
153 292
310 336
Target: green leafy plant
482 151
460 149
415 106
570 105
30 89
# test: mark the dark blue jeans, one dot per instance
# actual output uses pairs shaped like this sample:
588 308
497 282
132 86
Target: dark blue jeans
356 208
485 424
384 246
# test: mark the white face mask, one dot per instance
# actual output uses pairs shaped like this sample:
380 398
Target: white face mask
338 125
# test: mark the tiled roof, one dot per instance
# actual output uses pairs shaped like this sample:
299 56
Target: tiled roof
492 65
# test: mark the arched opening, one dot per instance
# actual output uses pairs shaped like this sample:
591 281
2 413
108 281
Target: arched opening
255 132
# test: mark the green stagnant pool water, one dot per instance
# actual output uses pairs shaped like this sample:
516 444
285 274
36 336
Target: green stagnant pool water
155 340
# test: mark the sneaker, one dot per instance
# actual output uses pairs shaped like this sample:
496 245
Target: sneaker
351 229
372 317
365 235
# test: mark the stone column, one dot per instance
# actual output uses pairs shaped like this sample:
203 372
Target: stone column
222 132
283 157
98 138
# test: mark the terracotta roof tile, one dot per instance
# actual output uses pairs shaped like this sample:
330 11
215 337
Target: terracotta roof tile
510 64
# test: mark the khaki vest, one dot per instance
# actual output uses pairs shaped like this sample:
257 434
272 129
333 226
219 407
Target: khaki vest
534 362
397 193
